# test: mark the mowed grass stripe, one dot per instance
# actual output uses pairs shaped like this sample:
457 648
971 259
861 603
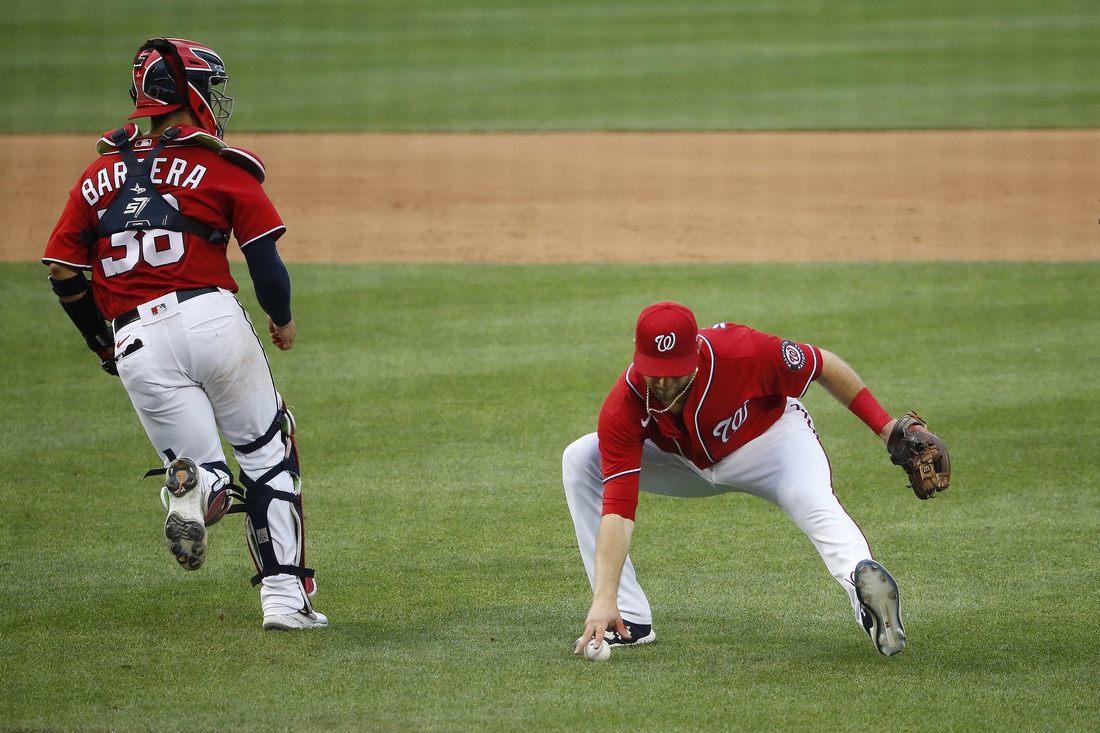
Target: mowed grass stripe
578 65
434 402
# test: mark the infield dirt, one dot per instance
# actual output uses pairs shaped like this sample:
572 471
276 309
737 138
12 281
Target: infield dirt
645 197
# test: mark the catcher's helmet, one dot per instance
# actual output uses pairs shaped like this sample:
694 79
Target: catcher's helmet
172 72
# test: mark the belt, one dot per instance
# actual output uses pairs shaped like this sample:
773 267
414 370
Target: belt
181 295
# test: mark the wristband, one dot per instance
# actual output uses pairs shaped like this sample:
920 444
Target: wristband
69 286
867 409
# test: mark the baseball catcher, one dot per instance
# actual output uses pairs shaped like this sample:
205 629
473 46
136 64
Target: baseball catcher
151 219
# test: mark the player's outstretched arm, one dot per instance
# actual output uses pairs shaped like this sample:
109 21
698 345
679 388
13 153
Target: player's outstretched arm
612 546
842 382
911 445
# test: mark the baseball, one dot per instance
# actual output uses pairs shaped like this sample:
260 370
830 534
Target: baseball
599 653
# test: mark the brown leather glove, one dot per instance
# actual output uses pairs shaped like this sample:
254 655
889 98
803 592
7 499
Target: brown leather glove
921 453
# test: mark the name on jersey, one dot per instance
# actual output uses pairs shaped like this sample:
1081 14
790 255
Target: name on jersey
111 179
732 424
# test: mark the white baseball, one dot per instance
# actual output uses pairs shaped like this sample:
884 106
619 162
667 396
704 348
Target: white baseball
599 653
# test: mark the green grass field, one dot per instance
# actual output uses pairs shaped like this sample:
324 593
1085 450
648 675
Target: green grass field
433 405
576 64
434 401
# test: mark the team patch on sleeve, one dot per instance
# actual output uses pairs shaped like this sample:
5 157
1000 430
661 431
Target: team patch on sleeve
793 356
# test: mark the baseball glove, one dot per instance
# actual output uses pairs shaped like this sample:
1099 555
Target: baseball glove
923 455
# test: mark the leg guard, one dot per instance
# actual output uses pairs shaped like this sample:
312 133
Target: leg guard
272 504
257 501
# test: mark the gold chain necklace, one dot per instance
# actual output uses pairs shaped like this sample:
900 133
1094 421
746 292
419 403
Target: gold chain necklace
675 399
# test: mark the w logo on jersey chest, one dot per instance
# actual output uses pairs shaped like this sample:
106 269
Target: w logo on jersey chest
732 424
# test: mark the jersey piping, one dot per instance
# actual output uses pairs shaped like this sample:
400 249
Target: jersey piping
812 373
630 384
72 265
622 473
279 228
702 399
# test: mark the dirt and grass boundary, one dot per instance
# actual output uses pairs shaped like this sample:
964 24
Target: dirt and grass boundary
645 197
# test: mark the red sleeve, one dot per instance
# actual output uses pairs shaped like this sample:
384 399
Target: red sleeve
785 367
64 245
253 215
621 438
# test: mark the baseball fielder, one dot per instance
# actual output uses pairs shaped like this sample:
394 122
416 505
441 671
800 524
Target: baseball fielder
705 412
151 218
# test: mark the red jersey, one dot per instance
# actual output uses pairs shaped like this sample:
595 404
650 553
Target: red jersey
740 390
133 267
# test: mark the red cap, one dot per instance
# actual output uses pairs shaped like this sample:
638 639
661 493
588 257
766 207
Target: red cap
664 341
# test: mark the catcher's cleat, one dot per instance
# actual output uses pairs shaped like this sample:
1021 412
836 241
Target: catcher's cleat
185 527
293 621
639 634
878 596
218 502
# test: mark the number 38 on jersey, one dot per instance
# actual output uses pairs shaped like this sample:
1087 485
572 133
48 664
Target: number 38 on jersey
158 247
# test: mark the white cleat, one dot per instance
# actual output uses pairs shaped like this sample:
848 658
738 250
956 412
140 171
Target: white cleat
185 528
293 621
878 595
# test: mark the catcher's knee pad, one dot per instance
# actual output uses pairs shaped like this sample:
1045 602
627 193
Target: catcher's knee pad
283 428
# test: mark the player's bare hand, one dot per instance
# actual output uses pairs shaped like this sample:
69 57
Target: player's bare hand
601 617
282 336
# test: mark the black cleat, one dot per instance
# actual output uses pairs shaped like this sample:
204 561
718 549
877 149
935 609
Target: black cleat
639 634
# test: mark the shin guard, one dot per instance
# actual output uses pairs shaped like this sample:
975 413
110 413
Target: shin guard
257 502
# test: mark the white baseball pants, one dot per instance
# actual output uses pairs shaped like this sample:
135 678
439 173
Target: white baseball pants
201 370
786 466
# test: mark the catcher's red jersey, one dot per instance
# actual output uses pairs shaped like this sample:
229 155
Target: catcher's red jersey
134 267
741 389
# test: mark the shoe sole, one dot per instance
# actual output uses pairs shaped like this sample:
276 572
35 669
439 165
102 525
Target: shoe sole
184 529
878 594
277 623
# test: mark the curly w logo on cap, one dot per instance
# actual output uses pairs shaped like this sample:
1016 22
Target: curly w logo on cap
665 342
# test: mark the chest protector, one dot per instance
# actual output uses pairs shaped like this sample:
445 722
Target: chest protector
139 205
